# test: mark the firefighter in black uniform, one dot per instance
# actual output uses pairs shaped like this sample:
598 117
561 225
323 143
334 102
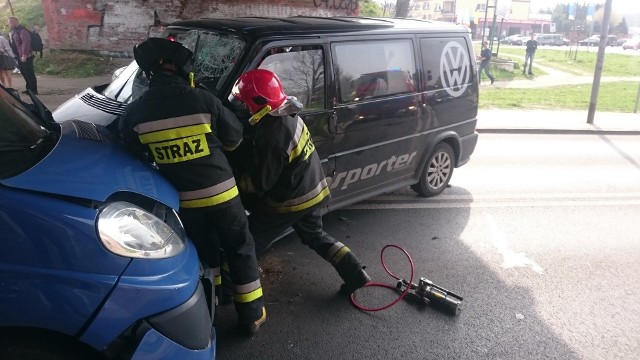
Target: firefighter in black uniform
185 130
286 176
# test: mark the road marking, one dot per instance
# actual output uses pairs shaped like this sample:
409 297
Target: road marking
499 200
510 258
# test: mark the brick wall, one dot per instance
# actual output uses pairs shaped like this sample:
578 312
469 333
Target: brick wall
117 25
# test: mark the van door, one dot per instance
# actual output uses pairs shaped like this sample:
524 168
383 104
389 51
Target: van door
300 66
377 115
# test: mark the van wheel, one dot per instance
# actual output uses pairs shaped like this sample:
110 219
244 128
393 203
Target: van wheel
437 171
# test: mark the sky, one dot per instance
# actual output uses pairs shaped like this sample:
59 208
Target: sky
622 6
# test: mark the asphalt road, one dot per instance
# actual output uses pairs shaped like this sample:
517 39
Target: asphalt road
538 233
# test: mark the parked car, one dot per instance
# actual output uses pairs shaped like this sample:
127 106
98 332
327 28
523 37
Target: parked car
566 41
633 44
590 41
397 108
549 39
516 39
594 40
95 263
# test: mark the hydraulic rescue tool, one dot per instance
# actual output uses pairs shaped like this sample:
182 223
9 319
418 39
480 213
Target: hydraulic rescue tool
426 292
432 294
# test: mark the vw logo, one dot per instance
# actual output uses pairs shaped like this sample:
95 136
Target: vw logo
454 68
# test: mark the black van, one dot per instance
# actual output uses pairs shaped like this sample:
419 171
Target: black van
389 102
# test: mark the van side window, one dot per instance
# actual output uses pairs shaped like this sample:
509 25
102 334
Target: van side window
373 69
301 71
450 53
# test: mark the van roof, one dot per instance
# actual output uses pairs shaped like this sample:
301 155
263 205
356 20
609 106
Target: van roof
309 25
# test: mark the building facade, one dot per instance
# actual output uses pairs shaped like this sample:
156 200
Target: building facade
115 26
474 14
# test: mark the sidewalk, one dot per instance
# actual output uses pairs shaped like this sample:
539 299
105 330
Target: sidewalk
556 122
54 91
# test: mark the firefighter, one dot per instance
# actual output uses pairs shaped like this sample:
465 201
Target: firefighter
185 130
286 177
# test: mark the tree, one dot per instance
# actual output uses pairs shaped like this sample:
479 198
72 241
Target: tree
402 8
560 17
370 8
622 27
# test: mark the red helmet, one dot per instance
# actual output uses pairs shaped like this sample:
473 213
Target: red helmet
257 89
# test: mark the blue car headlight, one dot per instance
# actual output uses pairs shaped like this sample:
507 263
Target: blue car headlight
128 230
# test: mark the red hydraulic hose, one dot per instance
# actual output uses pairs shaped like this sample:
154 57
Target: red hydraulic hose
384 285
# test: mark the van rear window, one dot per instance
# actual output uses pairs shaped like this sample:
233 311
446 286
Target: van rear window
373 69
453 55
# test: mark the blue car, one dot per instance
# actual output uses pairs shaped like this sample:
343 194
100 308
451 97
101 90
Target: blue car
94 262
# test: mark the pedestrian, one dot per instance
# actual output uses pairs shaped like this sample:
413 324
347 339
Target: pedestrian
532 45
7 63
285 182
186 129
20 40
485 63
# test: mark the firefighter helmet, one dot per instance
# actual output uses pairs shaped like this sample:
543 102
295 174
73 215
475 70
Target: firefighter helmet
258 89
154 53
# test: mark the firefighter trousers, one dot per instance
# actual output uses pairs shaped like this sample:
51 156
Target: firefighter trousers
266 227
225 226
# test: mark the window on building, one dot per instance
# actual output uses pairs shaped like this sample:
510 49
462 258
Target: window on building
481 7
374 69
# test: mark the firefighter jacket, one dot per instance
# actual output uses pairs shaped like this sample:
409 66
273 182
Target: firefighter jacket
185 131
286 172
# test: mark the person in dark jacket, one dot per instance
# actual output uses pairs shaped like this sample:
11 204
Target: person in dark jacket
185 129
485 62
20 40
532 46
286 177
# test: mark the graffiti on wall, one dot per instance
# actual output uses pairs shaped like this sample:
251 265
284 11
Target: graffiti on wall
350 5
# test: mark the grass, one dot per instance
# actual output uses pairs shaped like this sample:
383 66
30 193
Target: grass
580 63
613 96
29 12
73 64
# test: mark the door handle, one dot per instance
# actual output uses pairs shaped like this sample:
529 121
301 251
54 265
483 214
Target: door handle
333 123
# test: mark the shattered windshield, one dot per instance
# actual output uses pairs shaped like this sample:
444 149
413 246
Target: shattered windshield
215 55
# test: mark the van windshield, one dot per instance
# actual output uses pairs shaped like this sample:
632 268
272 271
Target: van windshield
215 55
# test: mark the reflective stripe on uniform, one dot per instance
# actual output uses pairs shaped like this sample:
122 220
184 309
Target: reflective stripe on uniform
231 148
217 278
336 252
305 201
248 292
301 142
172 123
175 133
213 195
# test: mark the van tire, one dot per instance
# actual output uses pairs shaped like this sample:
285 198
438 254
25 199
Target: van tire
437 172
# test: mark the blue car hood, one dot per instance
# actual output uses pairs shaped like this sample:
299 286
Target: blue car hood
86 164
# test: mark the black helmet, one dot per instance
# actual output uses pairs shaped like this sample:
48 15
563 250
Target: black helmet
152 53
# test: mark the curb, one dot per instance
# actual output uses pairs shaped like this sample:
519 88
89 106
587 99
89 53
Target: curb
558 131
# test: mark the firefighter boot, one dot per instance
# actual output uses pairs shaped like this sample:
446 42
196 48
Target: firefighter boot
352 273
253 327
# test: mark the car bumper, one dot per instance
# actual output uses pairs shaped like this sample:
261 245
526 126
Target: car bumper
467 146
185 332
